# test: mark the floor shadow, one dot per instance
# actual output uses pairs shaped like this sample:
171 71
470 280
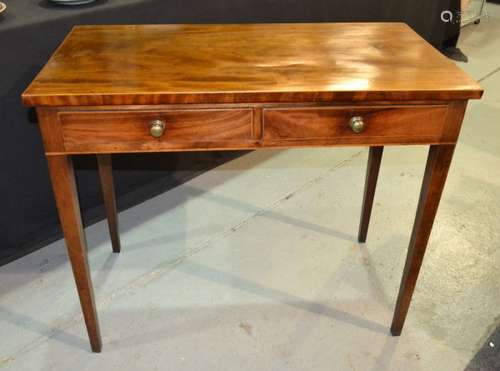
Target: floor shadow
24 273
42 329
488 356
268 213
225 278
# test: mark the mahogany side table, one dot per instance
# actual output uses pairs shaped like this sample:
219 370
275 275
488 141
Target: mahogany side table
164 88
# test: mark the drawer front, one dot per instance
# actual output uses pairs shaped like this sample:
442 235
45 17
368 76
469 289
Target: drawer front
117 131
332 125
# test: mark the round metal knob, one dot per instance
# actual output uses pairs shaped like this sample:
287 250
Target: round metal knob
157 128
357 124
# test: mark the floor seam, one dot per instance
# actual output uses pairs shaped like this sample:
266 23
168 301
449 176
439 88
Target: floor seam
489 74
169 265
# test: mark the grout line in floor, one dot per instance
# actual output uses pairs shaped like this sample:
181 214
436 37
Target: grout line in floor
169 265
489 74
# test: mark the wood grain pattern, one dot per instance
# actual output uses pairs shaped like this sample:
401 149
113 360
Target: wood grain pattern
251 86
330 125
372 169
104 165
125 131
64 186
94 130
454 119
438 163
50 128
325 62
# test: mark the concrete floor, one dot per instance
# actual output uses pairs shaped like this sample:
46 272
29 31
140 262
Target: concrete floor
255 266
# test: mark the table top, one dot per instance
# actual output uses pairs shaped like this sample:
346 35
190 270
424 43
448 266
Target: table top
242 63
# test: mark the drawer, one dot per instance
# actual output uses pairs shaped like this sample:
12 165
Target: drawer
379 125
130 130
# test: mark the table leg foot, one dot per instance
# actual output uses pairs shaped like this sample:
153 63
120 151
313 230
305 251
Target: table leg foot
438 163
64 186
373 166
395 331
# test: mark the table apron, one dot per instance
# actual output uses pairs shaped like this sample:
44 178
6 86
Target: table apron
127 129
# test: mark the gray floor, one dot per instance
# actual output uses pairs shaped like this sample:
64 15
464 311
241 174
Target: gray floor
255 266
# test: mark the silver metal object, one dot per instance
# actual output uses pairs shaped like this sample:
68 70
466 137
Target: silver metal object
71 2
357 125
157 128
473 12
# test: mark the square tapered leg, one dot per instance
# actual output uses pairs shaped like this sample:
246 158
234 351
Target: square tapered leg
64 186
108 193
372 169
438 163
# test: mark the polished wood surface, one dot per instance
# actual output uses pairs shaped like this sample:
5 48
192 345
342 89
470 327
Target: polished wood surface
64 186
330 125
438 163
129 131
372 169
220 87
154 64
104 165
124 130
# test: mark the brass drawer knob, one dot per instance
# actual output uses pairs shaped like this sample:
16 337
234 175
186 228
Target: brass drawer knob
357 124
157 128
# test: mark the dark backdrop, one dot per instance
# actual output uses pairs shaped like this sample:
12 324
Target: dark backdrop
30 30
